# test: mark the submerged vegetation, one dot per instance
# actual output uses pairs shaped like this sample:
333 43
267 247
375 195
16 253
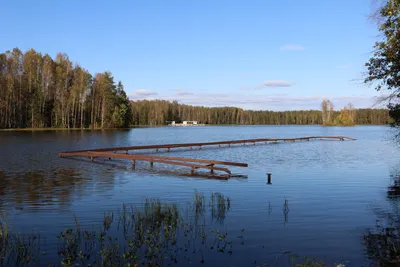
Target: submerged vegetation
152 234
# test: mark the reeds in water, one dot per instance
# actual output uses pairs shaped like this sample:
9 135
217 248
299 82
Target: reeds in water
153 234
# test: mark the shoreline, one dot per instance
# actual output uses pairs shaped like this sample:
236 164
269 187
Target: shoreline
160 126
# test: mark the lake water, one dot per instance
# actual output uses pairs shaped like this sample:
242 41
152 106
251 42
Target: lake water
332 188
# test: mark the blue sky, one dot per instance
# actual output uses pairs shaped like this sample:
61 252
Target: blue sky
275 55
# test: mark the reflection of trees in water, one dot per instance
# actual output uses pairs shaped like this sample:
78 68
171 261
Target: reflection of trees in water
394 188
383 242
219 205
40 188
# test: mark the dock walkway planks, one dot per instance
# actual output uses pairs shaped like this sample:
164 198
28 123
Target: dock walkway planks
219 143
187 162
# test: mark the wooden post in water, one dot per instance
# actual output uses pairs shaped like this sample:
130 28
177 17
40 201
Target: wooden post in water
192 171
269 178
133 164
151 164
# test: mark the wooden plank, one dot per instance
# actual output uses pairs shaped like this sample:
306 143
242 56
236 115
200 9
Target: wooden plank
138 157
237 164
169 146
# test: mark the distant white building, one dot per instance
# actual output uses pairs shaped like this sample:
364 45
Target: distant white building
189 122
184 123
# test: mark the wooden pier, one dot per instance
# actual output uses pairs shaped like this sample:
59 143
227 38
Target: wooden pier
111 153
168 147
187 162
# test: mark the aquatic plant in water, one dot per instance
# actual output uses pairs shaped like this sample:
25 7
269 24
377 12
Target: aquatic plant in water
154 234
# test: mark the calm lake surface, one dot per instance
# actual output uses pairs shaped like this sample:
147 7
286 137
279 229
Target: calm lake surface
332 188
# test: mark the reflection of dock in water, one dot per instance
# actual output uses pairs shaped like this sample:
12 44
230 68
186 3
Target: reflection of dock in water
211 165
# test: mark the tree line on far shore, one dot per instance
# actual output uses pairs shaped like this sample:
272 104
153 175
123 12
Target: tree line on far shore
37 91
159 112
346 117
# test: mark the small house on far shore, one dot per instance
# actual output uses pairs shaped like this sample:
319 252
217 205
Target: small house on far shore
184 123
189 122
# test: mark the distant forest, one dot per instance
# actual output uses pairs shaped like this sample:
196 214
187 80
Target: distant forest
157 112
37 91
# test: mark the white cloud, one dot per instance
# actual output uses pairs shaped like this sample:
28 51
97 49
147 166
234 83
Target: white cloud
291 47
182 92
277 83
271 101
145 92
270 84
344 66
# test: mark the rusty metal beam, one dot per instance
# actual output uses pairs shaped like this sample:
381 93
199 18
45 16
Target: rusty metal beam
93 155
149 157
219 143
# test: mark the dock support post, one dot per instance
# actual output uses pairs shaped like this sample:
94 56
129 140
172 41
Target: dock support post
91 158
229 145
192 171
201 147
269 178
151 164
133 164
169 150
212 169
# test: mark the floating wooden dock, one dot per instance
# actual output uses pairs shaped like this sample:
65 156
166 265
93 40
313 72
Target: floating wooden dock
111 153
